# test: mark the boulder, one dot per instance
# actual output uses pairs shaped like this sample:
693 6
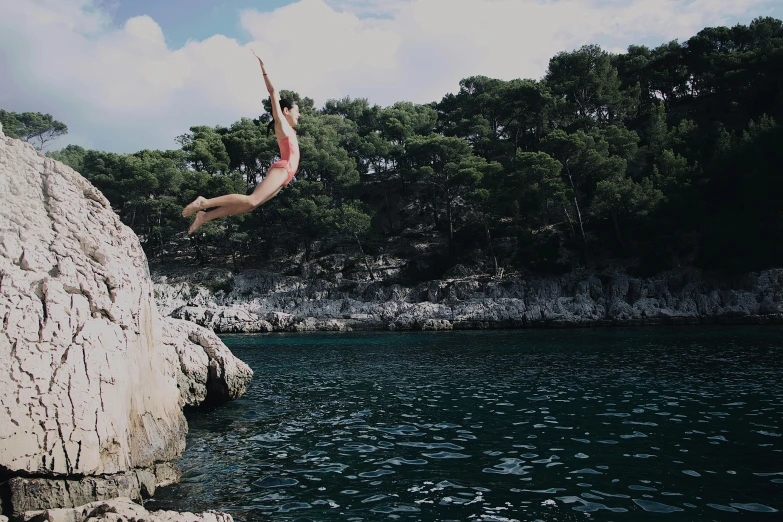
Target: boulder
226 377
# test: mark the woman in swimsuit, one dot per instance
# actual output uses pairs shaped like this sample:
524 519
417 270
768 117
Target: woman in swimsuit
286 115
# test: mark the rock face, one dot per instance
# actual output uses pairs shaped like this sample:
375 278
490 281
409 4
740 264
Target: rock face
260 302
89 370
208 371
84 387
32 494
121 510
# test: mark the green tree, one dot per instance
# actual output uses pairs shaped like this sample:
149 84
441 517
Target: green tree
250 149
589 82
356 110
398 124
659 73
205 149
323 159
541 185
9 123
497 117
352 219
620 197
309 215
485 207
657 132
569 150
475 113
672 173
528 108
71 155
447 165
33 127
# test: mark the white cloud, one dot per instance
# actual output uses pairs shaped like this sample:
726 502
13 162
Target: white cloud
123 89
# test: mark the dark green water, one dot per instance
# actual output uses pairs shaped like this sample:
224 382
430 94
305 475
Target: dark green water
602 424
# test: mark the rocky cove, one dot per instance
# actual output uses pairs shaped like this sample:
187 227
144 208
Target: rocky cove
259 301
98 356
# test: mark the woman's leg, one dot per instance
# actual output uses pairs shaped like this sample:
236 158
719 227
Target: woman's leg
260 195
232 204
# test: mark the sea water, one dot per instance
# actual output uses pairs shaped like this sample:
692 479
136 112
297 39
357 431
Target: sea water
596 424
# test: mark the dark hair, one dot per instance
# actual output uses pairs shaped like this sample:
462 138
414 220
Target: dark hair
285 103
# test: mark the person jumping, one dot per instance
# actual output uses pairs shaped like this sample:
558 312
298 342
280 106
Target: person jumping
285 114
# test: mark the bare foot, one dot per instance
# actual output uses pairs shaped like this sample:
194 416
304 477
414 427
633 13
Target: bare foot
195 206
198 222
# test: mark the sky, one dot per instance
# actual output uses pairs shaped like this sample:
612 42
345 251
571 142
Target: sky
128 75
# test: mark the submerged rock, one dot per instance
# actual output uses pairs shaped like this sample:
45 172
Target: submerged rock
89 370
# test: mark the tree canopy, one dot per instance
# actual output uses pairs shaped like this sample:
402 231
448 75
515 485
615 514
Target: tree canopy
34 127
656 158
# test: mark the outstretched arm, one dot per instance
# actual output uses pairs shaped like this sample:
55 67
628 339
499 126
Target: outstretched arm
273 94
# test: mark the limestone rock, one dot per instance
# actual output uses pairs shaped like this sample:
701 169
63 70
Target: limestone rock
90 373
121 509
31 494
85 385
193 364
222 319
208 370
260 301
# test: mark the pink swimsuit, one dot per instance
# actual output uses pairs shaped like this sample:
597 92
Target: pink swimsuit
289 157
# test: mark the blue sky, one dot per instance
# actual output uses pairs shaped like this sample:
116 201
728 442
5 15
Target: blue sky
183 20
126 75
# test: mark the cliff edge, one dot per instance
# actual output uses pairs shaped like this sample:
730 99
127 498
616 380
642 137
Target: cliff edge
92 378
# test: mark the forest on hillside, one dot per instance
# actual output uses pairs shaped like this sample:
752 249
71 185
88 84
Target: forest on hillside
653 159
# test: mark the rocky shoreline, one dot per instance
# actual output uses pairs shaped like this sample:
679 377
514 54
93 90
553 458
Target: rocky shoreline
256 301
120 509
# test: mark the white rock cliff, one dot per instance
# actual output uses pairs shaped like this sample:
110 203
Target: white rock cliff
92 378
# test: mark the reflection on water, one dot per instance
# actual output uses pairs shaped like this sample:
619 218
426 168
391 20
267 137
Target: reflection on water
626 424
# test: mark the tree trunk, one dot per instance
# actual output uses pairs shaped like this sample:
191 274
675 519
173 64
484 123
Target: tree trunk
234 260
402 177
388 211
617 230
581 224
366 262
434 203
578 214
490 249
451 225
160 234
200 259
570 222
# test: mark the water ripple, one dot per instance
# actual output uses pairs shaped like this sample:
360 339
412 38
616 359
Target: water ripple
501 426
656 507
